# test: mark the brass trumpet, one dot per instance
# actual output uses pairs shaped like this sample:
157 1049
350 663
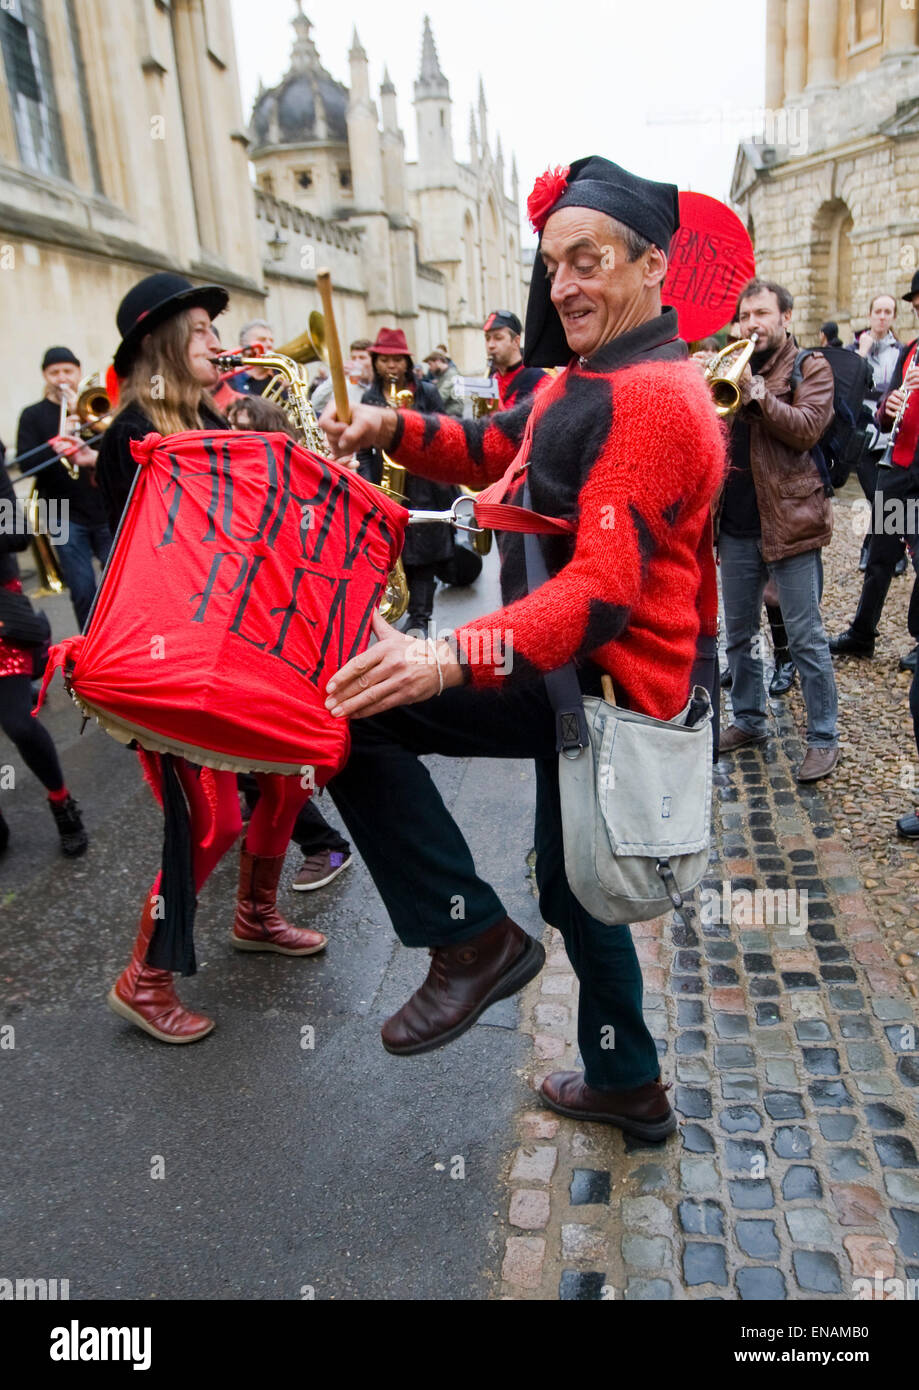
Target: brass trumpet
724 379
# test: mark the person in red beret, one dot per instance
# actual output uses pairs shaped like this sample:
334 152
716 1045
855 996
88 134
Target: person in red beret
427 548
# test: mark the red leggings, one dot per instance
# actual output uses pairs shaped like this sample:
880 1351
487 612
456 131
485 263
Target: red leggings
214 830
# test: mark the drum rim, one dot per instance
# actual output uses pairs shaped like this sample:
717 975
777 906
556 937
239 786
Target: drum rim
126 732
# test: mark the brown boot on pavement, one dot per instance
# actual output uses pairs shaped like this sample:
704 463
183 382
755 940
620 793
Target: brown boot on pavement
463 980
146 996
644 1112
258 925
818 762
734 737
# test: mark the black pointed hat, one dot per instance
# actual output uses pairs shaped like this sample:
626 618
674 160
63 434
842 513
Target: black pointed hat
649 208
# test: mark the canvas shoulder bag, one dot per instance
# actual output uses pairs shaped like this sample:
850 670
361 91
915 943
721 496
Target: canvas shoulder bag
635 791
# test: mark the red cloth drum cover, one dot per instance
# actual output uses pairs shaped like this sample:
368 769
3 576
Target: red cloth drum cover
245 575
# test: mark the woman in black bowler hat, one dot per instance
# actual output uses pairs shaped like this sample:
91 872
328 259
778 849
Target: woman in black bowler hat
166 364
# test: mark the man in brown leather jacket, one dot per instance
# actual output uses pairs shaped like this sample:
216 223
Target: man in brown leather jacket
774 518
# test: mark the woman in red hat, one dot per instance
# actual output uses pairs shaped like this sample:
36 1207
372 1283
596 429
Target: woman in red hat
167 370
427 548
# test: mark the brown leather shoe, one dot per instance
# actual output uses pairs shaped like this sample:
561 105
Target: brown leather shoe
818 762
644 1112
733 737
462 981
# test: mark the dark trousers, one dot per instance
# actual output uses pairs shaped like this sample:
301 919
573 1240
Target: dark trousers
35 744
76 557
311 833
899 486
423 868
422 581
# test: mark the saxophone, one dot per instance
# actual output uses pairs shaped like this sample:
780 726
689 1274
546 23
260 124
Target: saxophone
288 388
392 482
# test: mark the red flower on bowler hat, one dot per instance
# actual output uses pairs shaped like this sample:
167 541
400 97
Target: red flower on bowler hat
547 190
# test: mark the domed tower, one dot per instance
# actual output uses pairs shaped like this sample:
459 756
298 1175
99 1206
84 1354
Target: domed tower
299 133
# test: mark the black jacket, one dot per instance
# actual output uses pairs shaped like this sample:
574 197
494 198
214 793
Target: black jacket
431 543
37 424
11 540
116 467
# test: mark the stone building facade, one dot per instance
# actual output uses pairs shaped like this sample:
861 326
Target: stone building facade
431 246
829 190
124 150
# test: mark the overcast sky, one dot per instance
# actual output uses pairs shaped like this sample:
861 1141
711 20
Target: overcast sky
664 87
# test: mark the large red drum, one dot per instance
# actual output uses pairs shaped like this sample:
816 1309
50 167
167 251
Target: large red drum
244 576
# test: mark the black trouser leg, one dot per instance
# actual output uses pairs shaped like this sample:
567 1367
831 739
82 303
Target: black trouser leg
779 635
421 585
613 1038
35 744
425 874
895 504
707 673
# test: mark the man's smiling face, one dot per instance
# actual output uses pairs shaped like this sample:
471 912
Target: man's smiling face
598 292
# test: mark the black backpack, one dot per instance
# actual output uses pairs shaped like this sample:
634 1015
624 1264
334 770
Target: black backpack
844 442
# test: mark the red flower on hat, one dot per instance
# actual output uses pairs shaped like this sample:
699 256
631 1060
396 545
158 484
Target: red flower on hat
547 190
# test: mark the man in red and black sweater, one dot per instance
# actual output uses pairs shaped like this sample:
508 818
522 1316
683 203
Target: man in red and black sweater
626 445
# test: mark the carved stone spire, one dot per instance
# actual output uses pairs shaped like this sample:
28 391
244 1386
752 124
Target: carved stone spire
431 81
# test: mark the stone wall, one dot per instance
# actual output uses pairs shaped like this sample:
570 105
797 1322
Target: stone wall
835 216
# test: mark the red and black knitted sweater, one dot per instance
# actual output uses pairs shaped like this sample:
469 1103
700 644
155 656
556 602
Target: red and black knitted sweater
630 448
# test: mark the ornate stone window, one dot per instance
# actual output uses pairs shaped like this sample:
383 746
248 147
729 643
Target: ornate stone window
30 82
304 178
344 177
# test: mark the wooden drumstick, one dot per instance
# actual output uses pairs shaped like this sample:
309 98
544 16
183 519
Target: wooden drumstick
336 364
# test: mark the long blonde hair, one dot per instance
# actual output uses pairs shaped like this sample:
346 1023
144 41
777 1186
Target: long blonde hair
160 383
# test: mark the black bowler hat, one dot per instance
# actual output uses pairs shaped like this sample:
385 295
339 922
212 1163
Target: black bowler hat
913 289
649 208
154 300
56 355
503 318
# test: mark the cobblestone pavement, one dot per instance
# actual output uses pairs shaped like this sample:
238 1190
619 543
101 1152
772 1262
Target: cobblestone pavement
791 1048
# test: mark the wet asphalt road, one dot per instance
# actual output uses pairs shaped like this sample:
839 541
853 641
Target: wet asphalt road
286 1169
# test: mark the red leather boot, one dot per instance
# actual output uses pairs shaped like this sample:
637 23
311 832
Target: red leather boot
258 925
147 997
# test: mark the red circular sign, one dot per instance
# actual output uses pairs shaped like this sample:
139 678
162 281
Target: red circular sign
711 259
